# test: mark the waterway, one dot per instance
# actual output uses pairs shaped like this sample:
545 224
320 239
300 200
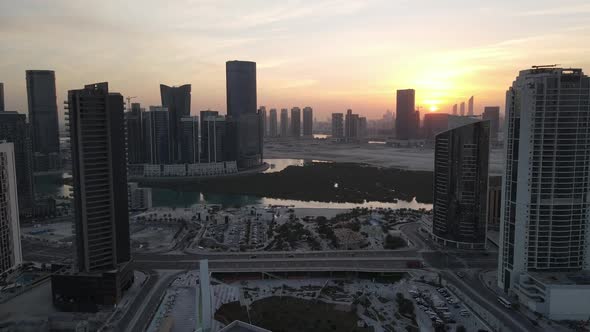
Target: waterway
52 185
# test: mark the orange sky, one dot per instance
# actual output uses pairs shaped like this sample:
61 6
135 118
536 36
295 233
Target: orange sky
328 54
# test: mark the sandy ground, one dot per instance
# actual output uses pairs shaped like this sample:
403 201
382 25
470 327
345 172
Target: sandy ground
51 232
421 159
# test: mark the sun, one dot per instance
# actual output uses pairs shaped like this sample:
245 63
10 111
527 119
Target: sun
433 108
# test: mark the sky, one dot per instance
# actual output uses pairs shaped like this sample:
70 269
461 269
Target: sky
328 54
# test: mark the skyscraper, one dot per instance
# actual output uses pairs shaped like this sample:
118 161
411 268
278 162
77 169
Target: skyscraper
455 110
337 125
470 106
462 109
461 186
157 135
135 135
240 88
362 127
213 138
189 139
10 253
262 112
544 242
405 121
245 123
351 125
272 123
2 107
284 122
42 100
296 122
308 122
178 102
492 113
97 133
435 123
15 129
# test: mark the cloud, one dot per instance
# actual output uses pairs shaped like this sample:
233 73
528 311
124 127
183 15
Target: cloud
563 9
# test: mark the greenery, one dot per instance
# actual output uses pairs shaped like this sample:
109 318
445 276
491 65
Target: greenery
405 306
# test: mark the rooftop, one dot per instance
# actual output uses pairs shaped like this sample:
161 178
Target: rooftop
239 326
564 278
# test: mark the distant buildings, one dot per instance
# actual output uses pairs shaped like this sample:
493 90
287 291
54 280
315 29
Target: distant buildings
544 252
434 123
407 119
295 122
337 125
97 132
15 129
157 135
273 123
494 202
213 137
136 151
455 110
461 160
139 199
42 100
10 253
189 140
262 112
240 88
177 100
284 122
470 107
351 125
308 122
492 114
462 109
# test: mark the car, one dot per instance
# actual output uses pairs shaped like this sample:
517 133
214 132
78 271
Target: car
460 274
291 256
253 256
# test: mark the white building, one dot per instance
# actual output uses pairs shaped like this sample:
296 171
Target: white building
10 247
139 198
545 217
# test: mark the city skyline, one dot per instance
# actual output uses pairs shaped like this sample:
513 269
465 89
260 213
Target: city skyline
444 66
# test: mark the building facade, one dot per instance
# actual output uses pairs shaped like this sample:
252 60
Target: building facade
157 135
337 125
434 123
177 100
273 123
307 121
544 234
189 140
11 252
2 106
470 111
42 101
135 135
15 129
461 160
492 114
284 122
295 122
405 121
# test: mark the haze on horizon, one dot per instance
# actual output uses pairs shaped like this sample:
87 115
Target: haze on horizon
328 54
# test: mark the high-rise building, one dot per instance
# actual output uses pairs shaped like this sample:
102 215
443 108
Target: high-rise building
362 127
307 121
544 233
213 137
273 123
435 123
15 129
42 100
240 88
245 123
455 110
470 106
462 109
351 125
157 135
139 199
492 113
284 122
494 201
262 112
135 135
189 140
461 161
405 124
10 253
97 133
2 107
337 125
177 99
295 122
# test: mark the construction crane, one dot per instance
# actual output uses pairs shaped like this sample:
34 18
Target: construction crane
129 102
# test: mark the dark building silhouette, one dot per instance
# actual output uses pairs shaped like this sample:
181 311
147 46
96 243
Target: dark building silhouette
307 121
2 107
135 135
178 102
492 114
273 123
189 140
351 126
462 109
337 125
434 123
362 127
97 133
494 202
470 106
15 129
461 161
245 129
296 122
262 112
214 138
157 136
284 122
42 101
406 123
